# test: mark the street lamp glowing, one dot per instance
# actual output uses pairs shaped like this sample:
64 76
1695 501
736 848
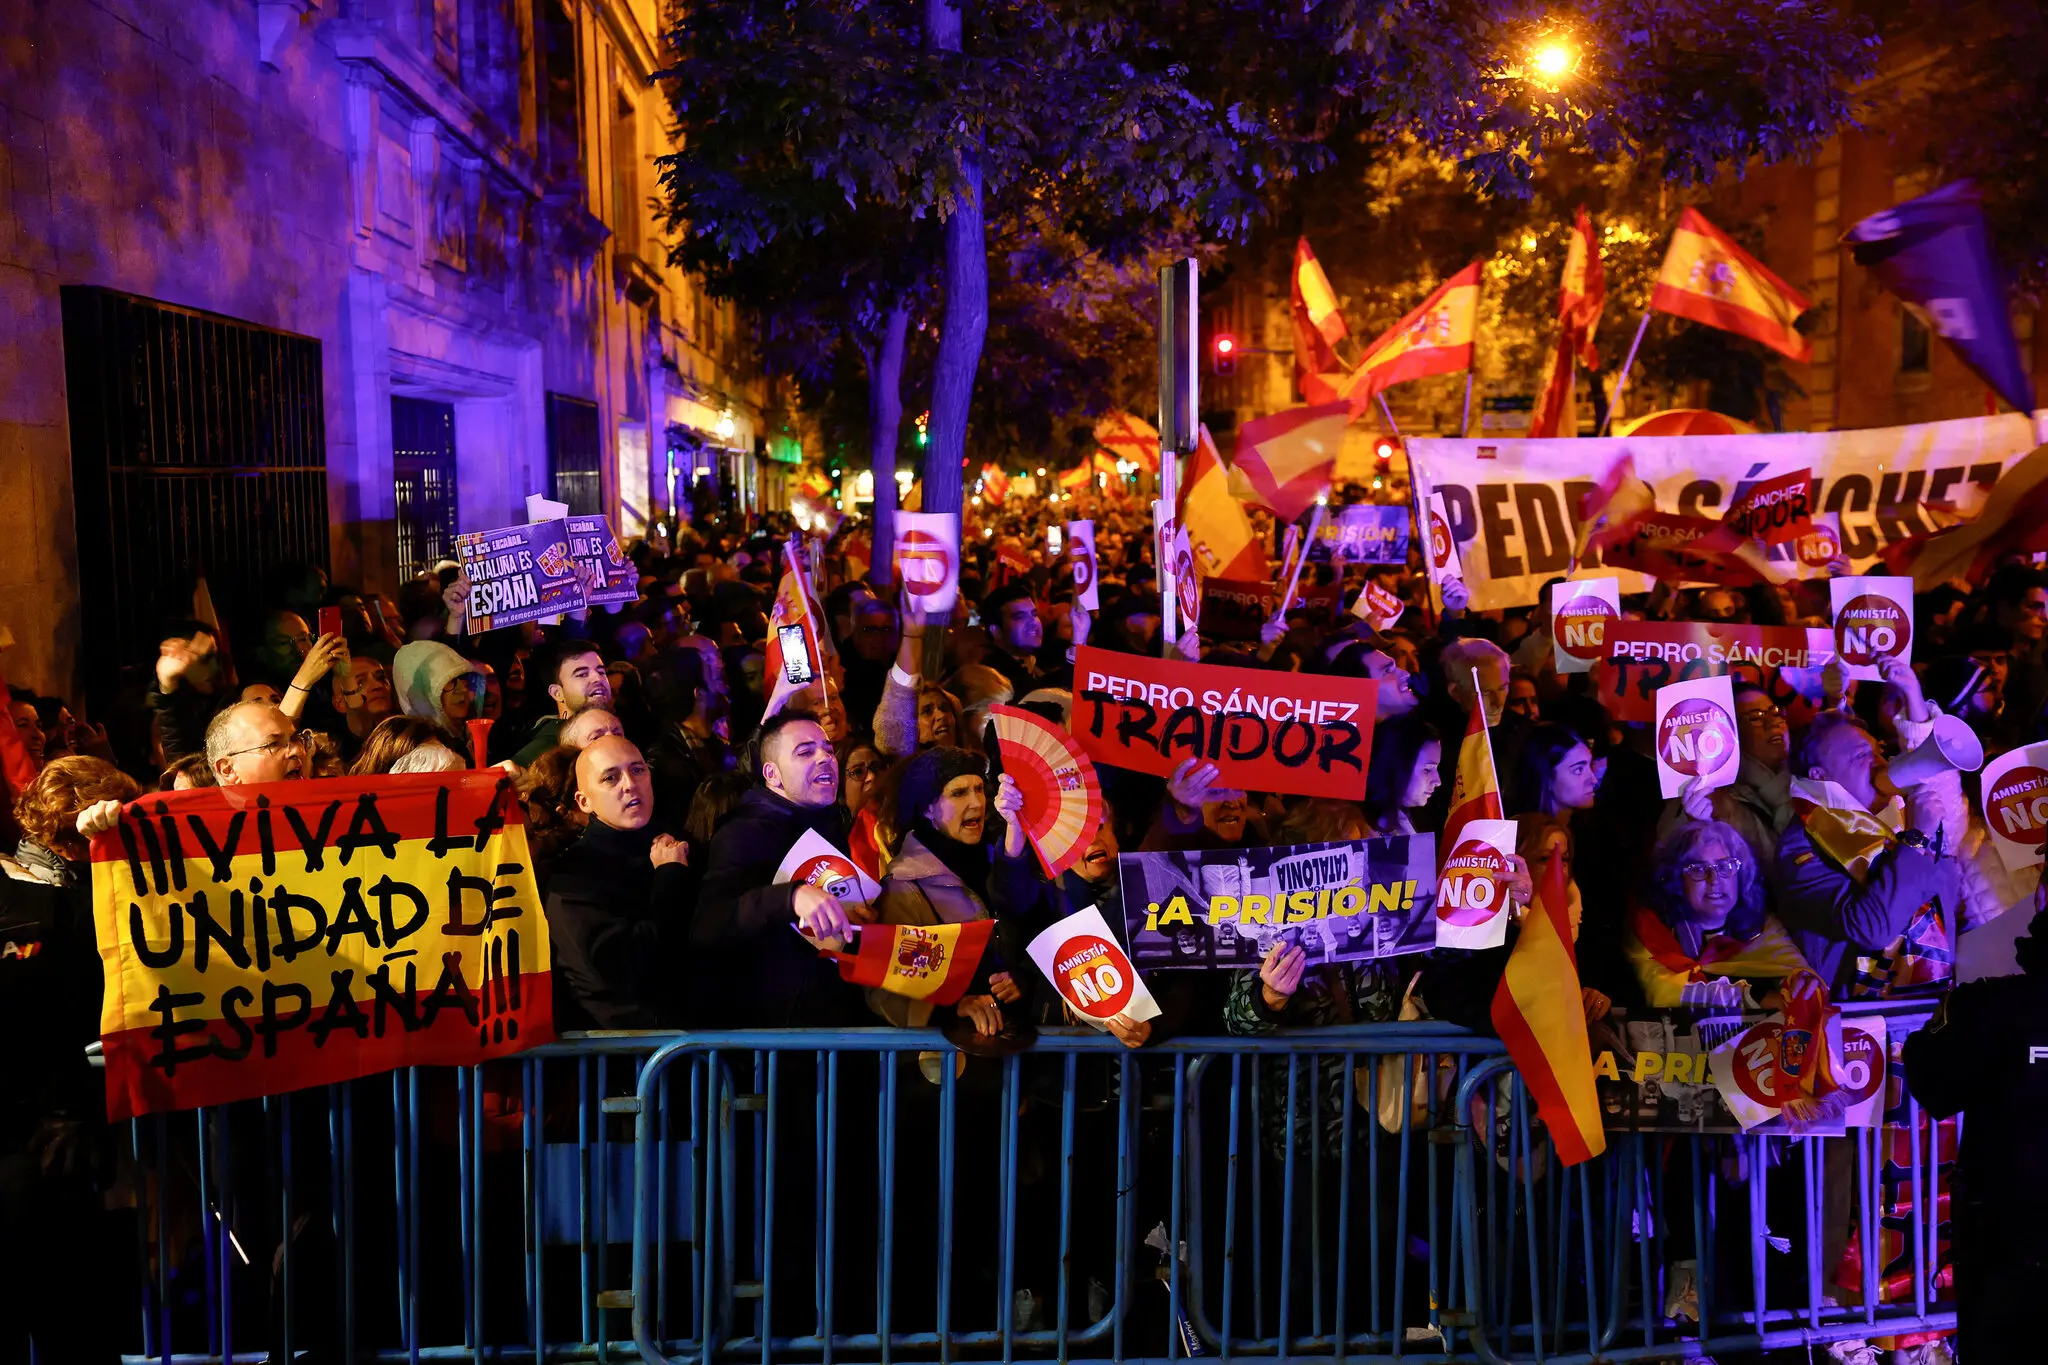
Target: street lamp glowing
1553 59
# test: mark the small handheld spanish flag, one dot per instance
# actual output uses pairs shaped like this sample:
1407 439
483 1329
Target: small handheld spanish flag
932 962
1708 278
1475 787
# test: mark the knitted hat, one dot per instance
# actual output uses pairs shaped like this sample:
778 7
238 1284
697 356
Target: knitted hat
926 777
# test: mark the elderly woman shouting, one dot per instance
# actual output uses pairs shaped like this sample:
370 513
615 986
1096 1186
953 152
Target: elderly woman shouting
948 871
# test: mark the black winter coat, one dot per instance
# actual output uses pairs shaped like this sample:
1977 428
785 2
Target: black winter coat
614 920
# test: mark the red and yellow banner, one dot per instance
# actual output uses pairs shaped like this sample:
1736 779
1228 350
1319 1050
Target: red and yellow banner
263 939
934 962
1708 278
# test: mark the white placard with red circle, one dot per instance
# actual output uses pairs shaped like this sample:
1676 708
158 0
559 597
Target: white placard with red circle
2016 806
928 559
1472 889
1081 556
1695 738
813 861
1091 971
1579 613
1822 543
1442 557
1873 622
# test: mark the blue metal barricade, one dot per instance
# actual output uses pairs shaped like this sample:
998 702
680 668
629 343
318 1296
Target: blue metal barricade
1369 1193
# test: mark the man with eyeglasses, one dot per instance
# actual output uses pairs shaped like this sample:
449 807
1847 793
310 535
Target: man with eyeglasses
253 742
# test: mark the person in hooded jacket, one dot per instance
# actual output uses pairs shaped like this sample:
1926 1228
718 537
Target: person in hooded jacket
950 872
750 966
438 685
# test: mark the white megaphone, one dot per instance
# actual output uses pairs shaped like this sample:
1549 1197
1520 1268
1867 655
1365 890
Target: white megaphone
1953 746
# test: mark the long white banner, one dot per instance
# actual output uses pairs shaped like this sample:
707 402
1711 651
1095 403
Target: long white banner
1513 505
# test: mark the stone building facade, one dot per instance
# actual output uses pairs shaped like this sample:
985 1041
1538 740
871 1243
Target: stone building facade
452 198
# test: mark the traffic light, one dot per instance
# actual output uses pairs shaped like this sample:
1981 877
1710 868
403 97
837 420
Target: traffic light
1223 354
1384 451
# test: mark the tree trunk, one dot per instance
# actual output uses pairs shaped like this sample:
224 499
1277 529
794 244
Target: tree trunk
885 427
966 319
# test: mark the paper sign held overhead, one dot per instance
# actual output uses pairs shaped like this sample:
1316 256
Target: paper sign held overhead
1580 612
928 559
1081 559
1472 889
1091 971
1696 736
608 576
1775 510
518 574
1873 623
1444 563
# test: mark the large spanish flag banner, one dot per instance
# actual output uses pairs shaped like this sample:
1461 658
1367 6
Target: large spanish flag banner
1708 278
1538 1013
1436 338
1284 461
263 939
1318 325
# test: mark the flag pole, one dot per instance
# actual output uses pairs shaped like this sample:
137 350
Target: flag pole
1621 380
1315 528
1479 700
1415 493
1465 422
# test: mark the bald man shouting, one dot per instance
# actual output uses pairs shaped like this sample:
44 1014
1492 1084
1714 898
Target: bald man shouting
616 899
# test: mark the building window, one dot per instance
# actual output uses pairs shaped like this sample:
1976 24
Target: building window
555 39
423 473
626 179
575 464
1915 343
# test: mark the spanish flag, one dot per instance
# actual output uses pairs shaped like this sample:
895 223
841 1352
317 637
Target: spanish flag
1224 542
1475 788
1080 476
995 484
1708 278
1581 297
1436 338
1318 326
1284 461
930 962
1539 1015
799 654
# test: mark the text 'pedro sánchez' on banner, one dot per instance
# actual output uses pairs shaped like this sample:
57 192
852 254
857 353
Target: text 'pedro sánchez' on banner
1276 732
262 939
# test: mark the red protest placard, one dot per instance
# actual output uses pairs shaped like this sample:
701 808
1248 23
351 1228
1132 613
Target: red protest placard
1275 732
1642 656
1776 510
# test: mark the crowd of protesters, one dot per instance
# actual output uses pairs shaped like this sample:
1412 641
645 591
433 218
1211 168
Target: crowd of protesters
659 803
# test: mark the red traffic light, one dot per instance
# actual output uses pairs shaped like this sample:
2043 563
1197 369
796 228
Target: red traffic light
1223 353
1384 450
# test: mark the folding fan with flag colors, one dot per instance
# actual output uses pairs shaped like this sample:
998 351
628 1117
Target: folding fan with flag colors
1062 794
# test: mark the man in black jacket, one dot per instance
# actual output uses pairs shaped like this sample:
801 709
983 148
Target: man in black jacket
752 967
616 897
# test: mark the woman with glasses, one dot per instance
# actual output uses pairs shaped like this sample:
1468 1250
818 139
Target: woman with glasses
1699 933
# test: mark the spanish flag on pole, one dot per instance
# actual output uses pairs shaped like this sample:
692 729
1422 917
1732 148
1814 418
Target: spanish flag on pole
1224 542
1475 786
1708 278
1129 438
1580 299
1436 338
1284 460
798 652
1318 326
1538 1013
